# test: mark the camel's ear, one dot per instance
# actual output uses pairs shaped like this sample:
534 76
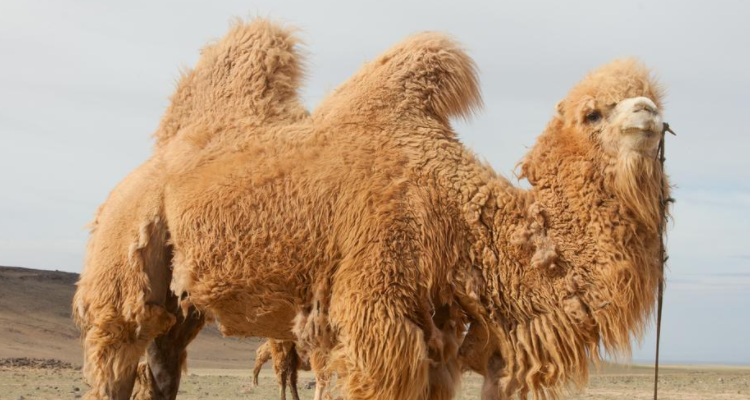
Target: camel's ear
251 75
559 110
427 74
527 171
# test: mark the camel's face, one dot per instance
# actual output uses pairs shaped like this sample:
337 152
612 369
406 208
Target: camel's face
617 107
632 125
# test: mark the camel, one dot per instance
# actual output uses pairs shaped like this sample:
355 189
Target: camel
370 222
286 363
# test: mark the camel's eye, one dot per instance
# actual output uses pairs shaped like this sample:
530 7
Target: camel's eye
593 116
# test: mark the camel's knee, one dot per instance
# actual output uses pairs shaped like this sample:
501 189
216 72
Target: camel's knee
113 346
159 378
110 369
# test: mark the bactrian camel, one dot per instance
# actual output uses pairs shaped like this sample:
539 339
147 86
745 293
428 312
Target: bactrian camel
369 216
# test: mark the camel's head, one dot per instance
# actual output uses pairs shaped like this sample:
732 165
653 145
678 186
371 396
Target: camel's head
613 118
618 107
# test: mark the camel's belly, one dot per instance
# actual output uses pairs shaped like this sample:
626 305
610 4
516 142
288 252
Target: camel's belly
246 249
253 292
256 317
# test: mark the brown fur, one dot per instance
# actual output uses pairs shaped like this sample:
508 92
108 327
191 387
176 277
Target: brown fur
373 198
121 296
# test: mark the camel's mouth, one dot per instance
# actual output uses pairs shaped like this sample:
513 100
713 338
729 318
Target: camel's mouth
640 124
639 139
635 130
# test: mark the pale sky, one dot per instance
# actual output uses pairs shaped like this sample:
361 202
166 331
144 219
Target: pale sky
84 83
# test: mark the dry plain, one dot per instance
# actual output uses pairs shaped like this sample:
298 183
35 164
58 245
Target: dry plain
35 323
612 383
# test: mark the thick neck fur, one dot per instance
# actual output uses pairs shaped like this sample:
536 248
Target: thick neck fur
570 265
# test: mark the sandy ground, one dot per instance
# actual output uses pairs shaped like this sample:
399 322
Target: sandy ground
631 383
35 322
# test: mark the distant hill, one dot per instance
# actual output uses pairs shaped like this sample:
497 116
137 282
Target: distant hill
35 322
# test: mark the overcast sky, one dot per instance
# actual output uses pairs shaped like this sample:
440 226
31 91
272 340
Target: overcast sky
84 83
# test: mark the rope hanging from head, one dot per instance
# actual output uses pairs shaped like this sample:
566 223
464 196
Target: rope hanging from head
664 202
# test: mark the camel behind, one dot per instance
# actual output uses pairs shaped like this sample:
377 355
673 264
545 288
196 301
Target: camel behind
247 79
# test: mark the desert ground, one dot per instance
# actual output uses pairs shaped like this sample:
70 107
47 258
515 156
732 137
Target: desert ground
40 357
612 383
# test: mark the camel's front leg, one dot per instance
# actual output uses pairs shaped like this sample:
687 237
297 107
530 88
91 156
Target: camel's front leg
159 378
282 387
480 352
318 363
122 387
382 354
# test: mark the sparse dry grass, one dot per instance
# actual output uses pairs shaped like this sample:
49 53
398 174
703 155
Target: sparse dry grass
619 383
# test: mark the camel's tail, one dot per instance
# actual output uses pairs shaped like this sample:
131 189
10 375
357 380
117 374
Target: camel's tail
426 73
249 77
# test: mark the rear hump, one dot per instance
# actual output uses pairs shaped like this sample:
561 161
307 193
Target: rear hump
248 78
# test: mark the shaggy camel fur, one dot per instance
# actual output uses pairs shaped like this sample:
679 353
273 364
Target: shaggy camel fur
371 216
254 71
286 363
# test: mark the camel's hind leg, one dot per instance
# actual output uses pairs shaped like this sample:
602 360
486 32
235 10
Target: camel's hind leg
291 365
120 304
262 354
112 350
279 351
159 377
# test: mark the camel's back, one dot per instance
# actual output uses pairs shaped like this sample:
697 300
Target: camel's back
257 223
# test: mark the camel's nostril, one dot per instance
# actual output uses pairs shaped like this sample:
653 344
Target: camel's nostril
644 107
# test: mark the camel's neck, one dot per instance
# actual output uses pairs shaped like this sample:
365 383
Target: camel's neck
579 246
570 265
570 246
579 241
